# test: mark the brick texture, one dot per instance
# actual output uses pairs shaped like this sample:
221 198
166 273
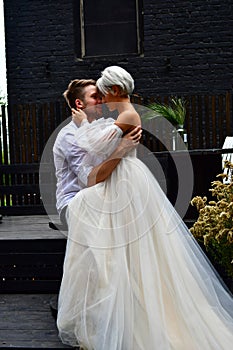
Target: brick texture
188 49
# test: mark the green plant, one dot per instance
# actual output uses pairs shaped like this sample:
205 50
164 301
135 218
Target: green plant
174 113
214 226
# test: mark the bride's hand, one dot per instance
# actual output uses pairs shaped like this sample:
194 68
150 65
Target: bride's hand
134 136
131 140
78 115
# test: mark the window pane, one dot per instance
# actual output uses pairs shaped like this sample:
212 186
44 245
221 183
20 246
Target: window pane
111 38
105 11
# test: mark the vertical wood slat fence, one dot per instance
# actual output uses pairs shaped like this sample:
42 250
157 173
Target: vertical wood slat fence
24 133
208 118
208 122
30 126
23 136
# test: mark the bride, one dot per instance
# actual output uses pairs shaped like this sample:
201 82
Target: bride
134 278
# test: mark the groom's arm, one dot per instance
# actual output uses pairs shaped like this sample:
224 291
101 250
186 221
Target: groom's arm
102 171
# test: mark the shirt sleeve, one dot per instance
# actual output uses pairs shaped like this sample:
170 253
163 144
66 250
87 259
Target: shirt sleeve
84 172
77 158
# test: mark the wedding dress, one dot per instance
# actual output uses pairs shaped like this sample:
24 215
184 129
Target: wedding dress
134 277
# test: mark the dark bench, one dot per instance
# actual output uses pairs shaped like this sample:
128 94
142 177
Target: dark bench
20 191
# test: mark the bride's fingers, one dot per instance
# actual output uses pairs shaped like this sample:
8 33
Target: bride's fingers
137 136
75 111
135 130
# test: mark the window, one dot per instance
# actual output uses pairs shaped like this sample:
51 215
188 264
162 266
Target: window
108 27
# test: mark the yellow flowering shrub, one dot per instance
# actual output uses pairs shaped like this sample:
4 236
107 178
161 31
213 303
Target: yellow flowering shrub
214 226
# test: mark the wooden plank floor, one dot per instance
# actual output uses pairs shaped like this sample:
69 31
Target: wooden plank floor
26 322
28 227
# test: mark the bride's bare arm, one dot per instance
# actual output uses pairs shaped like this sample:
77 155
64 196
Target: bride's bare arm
129 117
102 171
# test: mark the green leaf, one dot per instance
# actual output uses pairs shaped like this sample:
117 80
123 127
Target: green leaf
174 113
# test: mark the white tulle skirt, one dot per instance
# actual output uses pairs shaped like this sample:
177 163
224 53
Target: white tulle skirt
134 277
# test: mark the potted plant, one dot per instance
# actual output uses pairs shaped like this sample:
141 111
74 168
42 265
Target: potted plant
175 113
214 226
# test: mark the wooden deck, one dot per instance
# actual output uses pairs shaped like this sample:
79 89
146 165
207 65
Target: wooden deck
28 250
28 227
26 322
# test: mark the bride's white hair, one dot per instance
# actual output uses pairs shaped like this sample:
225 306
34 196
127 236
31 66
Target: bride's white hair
115 75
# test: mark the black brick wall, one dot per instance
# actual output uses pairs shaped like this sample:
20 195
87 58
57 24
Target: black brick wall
188 49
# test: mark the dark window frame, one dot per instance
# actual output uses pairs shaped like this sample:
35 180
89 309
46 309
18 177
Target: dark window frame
79 33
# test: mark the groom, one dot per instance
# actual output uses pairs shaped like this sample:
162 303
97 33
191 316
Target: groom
82 94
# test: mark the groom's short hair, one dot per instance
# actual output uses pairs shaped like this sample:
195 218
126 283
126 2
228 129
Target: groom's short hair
75 90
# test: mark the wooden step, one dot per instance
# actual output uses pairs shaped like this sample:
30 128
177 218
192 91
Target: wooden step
32 266
31 260
31 255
